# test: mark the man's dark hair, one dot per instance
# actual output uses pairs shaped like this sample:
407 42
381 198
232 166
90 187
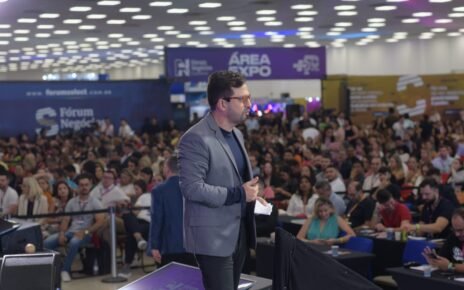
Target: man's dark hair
142 184
322 184
429 181
357 185
383 196
70 168
148 171
172 164
84 176
4 172
458 212
433 171
384 169
220 86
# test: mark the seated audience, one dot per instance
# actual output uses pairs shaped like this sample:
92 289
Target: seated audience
360 206
324 226
8 195
390 212
32 201
302 202
435 220
450 256
324 190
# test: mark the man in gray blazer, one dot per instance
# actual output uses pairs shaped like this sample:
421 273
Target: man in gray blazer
217 184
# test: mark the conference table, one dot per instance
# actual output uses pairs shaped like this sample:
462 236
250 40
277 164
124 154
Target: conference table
357 261
408 279
291 224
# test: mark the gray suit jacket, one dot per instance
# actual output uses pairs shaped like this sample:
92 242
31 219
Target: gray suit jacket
206 168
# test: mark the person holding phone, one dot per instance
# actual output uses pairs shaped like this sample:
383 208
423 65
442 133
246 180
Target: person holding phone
450 257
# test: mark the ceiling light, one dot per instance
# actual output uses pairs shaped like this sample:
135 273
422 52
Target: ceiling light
198 22
125 39
5 26
87 27
184 35
444 20
172 32
165 27
150 35
376 20
312 44
373 36
49 15
21 31
459 9
265 18
439 1
193 43
289 45
177 10
307 13
376 24
385 8
456 15
454 34
61 32
27 20
333 33
344 7
339 29
301 6
410 20
347 13
115 35
343 24
226 18
307 36
238 28
108 3
277 40
91 39
438 30
5 34
273 23
116 21
5 42
173 45
141 17
130 10
210 5
202 28
305 29
206 32
369 29
304 19
21 39
422 14
396 1
72 21
247 36
266 12
218 39
236 23
157 39
80 9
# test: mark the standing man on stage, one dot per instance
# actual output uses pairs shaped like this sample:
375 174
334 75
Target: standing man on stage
217 185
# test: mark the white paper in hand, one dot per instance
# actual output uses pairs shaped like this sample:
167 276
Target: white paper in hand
263 209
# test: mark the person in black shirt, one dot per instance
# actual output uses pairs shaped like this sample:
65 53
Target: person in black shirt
360 206
436 214
451 255
385 176
445 190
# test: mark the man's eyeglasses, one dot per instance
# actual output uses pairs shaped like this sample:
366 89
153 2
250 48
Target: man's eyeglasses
244 99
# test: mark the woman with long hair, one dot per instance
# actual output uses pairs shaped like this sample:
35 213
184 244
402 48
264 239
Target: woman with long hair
32 201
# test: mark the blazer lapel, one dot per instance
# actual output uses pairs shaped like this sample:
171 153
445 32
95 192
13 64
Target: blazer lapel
223 142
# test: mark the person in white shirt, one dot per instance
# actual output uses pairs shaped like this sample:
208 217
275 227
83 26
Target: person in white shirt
108 192
8 196
372 181
126 182
32 200
125 131
107 128
324 190
302 202
336 182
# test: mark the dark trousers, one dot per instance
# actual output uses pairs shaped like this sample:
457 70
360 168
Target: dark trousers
223 273
183 258
133 225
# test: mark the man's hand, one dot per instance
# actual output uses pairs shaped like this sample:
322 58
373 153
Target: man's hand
156 255
261 200
251 189
379 227
79 235
62 239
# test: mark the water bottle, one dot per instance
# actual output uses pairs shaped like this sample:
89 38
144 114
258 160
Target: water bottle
95 268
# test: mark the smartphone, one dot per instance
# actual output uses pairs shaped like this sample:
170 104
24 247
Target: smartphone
433 255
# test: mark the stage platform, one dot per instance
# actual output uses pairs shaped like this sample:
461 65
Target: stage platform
180 276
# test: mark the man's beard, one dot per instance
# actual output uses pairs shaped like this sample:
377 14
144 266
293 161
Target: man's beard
430 202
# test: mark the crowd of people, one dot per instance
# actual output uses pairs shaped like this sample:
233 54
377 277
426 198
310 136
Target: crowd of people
342 175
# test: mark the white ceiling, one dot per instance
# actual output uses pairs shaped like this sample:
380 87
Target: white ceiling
63 45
